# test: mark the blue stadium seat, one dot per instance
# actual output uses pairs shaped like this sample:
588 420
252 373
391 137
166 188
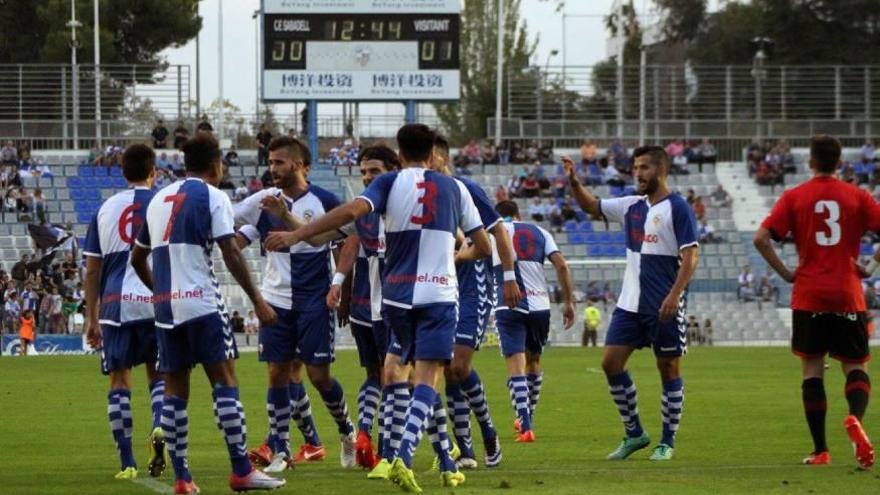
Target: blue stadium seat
115 172
100 171
576 238
605 238
105 182
93 194
866 250
615 191
591 238
620 251
119 183
86 171
74 182
90 182
570 226
77 195
594 251
83 218
618 237
580 216
82 207
585 227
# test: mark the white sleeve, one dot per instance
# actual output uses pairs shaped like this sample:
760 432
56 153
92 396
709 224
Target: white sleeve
222 224
470 217
614 210
550 246
247 212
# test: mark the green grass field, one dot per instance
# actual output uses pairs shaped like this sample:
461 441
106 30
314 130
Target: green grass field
742 430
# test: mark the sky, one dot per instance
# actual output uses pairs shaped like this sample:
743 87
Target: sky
586 39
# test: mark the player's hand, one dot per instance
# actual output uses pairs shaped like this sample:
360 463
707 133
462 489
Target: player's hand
279 241
789 276
570 169
568 315
265 313
669 308
93 334
273 205
343 312
862 270
512 295
334 295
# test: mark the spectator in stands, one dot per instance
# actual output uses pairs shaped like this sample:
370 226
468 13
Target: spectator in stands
545 152
707 332
255 185
617 153
588 152
24 201
720 198
241 191
41 170
500 194
24 151
181 135
472 151
231 157
9 154
237 322
56 317
707 233
263 139
266 180
693 330
679 165
177 165
592 317
706 153
675 148
767 290
699 208
868 152
611 176
160 135
204 125
871 299
39 205
19 270
745 290
513 186
12 311
560 185
538 210
864 170
530 187
489 153
162 162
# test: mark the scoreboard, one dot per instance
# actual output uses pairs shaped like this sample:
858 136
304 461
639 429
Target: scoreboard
361 50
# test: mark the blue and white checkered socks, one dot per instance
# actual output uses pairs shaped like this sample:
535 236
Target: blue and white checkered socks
438 436
423 398
386 408
472 387
175 427
278 409
368 405
334 399
460 411
671 404
301 413
623 392
229 414
519 398
400 398
157 393
535 382
119 413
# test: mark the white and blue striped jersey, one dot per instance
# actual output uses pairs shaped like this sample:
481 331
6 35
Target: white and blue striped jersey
298 278
532 245
366 286
124 298
183 222
655 236
423 210
475 277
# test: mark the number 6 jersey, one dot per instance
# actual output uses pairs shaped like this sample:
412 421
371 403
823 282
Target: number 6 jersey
183 222
124 298
826 218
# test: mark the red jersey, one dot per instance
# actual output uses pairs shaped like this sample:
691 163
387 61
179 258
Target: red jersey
827 218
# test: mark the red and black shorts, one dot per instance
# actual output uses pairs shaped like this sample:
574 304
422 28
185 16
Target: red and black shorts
842 335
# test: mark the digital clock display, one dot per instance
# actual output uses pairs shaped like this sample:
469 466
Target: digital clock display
436 36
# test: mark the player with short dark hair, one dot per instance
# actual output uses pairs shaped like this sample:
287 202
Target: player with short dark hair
826 217
120 319
183 223
422 210
662 252
295 284
525 327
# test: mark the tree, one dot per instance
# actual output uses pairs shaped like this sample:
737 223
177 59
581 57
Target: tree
479 36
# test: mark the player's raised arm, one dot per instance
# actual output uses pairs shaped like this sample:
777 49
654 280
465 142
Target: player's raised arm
563 274
275 205
582 195
328 223
237 266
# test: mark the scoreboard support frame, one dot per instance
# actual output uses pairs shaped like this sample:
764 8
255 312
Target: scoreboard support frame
410 112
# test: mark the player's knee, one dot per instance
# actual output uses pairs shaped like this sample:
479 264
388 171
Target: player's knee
458 371
279 375
320 377
612 366
668 369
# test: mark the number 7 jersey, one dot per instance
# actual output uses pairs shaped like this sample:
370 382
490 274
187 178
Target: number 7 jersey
827 218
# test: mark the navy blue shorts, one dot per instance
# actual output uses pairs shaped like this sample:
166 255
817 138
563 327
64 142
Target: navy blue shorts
127 346
520 332
668 338
372 343
473 316
305 335
204 340
422 334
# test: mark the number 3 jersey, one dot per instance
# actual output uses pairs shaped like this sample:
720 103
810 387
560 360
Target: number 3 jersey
827 218
124 298
422 211
183 222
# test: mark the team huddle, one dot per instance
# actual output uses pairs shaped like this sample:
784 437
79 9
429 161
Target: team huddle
416 266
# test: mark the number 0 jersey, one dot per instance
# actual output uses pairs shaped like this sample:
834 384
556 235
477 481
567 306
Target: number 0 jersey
183 222
827 218
124 298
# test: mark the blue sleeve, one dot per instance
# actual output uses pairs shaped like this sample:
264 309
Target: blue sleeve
487 212
685 224
377 193
143 237
93 241
327 198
